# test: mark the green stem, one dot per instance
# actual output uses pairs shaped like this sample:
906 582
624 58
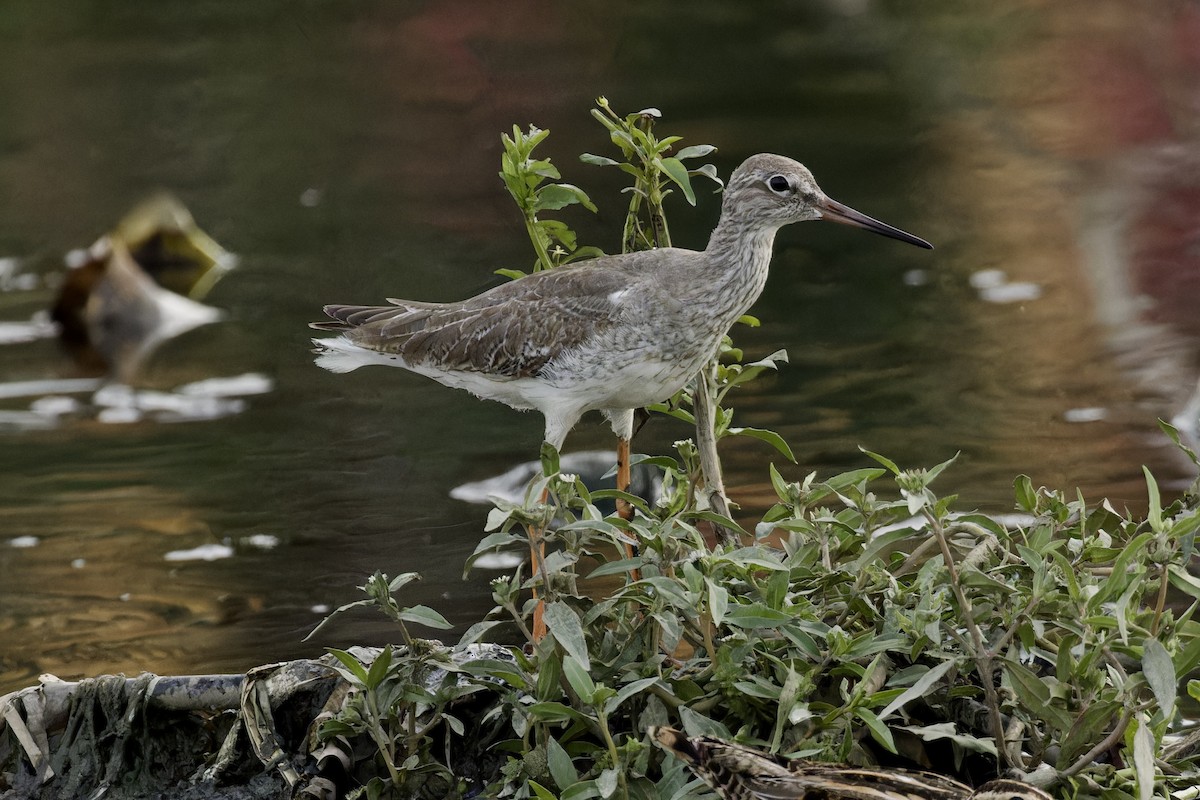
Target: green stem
658 219
706 626
538 245
629 236
706 445
404 634
519 620
983 658
1161 603
1110 741
381 739
612 751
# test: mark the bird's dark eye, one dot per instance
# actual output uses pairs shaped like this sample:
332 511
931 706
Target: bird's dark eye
779 184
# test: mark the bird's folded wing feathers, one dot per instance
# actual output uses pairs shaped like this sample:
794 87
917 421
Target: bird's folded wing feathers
514 329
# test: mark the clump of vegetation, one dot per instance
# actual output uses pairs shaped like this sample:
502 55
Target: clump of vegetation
864 620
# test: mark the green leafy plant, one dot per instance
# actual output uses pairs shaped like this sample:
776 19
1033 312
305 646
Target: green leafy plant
525 178
878 627
862 623
654 172
390 700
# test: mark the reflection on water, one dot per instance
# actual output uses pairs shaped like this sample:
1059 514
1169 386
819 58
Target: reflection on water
54 401
348 154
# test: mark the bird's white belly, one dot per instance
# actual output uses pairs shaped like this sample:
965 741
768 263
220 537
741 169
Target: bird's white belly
602 383
622 383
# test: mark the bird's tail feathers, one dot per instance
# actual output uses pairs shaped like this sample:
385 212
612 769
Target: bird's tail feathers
338 355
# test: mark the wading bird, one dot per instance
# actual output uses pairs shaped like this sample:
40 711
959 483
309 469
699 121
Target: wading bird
611 334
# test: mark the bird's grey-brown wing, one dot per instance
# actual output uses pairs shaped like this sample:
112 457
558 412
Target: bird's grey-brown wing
514 330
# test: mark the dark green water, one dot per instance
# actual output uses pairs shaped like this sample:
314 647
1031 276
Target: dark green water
348 152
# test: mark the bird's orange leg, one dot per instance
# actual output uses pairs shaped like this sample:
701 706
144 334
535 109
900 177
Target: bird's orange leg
537 554
624 509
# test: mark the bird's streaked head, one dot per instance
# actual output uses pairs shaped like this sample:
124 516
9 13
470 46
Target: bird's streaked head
772 191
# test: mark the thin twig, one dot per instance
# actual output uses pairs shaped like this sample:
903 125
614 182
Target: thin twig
983 658
1106 743
706 445
1162 600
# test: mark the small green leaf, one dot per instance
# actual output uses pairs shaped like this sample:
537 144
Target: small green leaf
664 462
617 567
560 195
1035 695
379 668
1179 577
678 173
1154 514
579 679
1026 496
711 516
696 724
937 469
553 712
1173 435
600 161
541 792
499 670
918 689
1188 656
1131 554
887 462
403 579
496 518
585 252
760 557
878 730
607 782
755 615
1160 674
778 483
627 691
561 768
564 625
424 615
476 632
549 679
770 437
718 600
497 540
695 151
584 790
352 664
710 172
1143 757
757 687
321 625
550 462
947 730
881 544
803 641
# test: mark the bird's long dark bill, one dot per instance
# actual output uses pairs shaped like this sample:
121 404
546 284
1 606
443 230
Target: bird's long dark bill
834 211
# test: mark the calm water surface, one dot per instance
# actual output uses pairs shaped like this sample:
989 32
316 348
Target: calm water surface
348 153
